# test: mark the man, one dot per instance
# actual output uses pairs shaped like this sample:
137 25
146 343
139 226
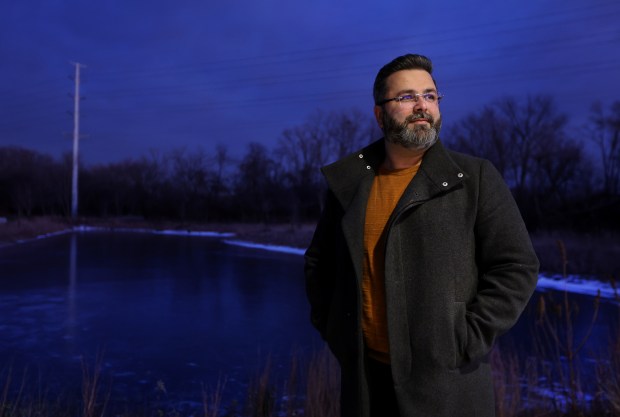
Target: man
419 262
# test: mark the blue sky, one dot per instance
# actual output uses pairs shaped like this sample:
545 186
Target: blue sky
164 75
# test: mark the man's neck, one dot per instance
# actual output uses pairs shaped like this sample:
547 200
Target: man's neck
399 157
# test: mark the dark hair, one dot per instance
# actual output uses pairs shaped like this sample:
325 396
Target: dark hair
405 62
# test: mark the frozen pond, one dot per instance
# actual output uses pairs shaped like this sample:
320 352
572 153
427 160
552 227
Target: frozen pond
171 315
179 312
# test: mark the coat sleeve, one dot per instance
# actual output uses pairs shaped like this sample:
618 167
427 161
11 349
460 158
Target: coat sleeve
507 265
320 264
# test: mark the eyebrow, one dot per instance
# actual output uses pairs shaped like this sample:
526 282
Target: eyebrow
410 91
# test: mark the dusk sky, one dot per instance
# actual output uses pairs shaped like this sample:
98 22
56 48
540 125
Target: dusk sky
163 75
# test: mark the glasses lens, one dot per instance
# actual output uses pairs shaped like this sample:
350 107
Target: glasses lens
406 104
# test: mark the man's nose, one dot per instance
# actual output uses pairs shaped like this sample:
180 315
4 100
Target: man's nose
419 104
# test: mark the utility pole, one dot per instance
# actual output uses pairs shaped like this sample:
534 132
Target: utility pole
76 139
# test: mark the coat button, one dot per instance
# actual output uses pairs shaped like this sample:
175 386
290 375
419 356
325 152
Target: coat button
361 155
445 184
367 166
460 175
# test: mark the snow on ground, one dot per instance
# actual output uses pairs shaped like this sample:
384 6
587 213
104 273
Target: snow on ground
273 248
576 284
157 232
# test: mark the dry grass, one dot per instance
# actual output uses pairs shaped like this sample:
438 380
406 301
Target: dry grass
323 386
549 380
608 378
23 229
311 389
525 386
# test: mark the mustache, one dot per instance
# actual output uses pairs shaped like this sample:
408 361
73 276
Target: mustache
415 116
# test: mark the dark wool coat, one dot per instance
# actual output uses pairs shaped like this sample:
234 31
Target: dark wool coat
459 270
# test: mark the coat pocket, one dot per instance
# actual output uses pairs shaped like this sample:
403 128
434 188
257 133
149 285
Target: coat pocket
460 334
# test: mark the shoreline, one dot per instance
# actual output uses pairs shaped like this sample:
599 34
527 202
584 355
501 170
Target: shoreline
282 238
278 234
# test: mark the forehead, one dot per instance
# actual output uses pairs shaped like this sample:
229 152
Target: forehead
405 80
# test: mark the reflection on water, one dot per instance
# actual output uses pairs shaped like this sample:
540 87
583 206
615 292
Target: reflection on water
71 321
182 310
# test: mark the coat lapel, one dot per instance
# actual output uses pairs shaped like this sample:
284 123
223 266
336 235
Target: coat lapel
350 180
438 174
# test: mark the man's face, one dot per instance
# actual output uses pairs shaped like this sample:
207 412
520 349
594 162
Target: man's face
416 124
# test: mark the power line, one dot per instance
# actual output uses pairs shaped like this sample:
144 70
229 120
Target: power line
575 16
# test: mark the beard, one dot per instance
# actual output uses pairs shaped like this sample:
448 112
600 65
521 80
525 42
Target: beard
419 137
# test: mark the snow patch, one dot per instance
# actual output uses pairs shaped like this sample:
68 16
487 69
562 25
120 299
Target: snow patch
156 232
273 248
578 285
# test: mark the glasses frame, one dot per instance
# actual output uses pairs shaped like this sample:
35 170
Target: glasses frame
413 97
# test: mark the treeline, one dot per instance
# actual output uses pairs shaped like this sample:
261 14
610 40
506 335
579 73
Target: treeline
556 181
264 185
559 176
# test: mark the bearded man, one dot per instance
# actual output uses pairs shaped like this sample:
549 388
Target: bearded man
419 262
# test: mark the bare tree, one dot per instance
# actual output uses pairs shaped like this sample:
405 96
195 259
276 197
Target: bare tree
607 137
321 139
26 180
304 149
190 179
511 134
256 184
526 140
483 134
560 170
301 151
529 125
348 131
222 163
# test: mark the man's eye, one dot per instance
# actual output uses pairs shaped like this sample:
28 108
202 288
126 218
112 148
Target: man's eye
431 97
406 98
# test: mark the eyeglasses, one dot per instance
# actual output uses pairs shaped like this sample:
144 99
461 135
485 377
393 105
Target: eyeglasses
408 100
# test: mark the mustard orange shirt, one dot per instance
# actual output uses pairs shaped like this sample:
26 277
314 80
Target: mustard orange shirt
387 188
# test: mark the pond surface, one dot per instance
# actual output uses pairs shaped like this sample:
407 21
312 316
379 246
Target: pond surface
173 312
170 316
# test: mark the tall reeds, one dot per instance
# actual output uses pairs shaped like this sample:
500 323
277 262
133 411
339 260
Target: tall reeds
261 398
608 371
323 385
8 405
94 403
212 400
560 347
549 379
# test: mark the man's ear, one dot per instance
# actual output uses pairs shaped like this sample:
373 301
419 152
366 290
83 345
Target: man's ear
378 110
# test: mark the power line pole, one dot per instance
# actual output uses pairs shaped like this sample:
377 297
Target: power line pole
76 139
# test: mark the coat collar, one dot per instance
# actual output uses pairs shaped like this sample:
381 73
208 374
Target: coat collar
353 175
